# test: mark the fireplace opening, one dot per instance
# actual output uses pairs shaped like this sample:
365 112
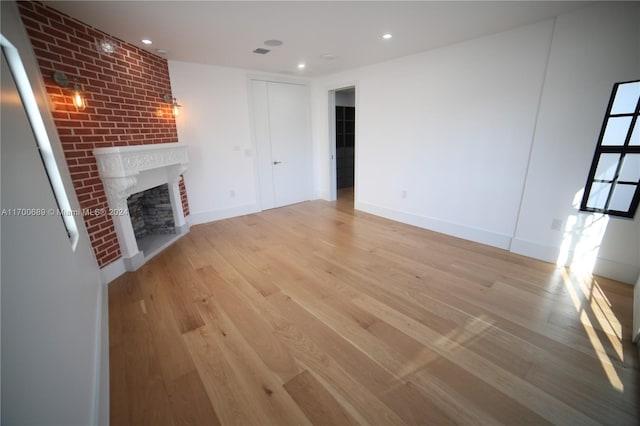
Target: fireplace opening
151 217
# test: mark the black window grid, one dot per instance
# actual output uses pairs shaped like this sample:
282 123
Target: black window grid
623 150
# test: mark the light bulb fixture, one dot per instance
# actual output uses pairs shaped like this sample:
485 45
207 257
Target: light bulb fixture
174 104
176 107
77 95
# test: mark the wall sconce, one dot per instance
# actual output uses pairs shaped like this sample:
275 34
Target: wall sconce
174 103
77 95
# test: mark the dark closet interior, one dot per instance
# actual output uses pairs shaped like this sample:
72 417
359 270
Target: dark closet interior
345 141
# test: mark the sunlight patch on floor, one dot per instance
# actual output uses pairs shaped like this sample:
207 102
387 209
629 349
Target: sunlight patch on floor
593 306
602 310
471 331
578 255
611 373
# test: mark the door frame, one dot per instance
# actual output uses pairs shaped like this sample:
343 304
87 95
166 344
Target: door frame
333 163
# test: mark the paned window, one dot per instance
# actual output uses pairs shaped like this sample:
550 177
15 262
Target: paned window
613 185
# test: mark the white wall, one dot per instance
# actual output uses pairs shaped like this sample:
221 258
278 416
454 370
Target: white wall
635 330
473 130
592 48
451 127
52 318
215 123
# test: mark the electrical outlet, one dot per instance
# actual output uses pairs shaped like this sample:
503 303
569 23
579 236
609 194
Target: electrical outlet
404 194
556 224
232 193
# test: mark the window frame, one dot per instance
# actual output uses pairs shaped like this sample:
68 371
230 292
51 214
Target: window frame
34 117
623 150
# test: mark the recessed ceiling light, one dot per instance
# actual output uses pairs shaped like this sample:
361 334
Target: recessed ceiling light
273 43
301 66
162 51
261 51
386 36
146 41
328 56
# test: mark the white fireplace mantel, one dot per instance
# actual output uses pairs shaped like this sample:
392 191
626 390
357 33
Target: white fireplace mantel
126 170
124 161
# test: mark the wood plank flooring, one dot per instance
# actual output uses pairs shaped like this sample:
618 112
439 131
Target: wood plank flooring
318 314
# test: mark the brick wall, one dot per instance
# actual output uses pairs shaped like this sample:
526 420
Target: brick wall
124 93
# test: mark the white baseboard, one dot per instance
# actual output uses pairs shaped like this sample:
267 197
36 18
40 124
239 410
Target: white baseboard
112 271
636 314
101 403
323 195
608 268
618 271
468 233
196 218
537 251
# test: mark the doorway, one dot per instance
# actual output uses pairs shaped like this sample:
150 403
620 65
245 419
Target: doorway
344 126
281 123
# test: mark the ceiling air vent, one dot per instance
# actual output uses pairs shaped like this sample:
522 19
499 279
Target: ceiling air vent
261 51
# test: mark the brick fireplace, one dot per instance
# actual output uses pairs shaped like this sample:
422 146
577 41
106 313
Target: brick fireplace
124 92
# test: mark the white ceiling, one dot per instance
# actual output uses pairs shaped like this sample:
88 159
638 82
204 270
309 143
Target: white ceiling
226 33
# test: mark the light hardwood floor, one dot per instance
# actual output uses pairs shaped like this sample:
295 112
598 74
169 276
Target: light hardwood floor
316 314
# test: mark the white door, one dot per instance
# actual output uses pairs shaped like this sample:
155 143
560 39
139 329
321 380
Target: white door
283 137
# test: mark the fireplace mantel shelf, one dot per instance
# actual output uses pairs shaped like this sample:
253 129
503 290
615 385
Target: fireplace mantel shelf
124 161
